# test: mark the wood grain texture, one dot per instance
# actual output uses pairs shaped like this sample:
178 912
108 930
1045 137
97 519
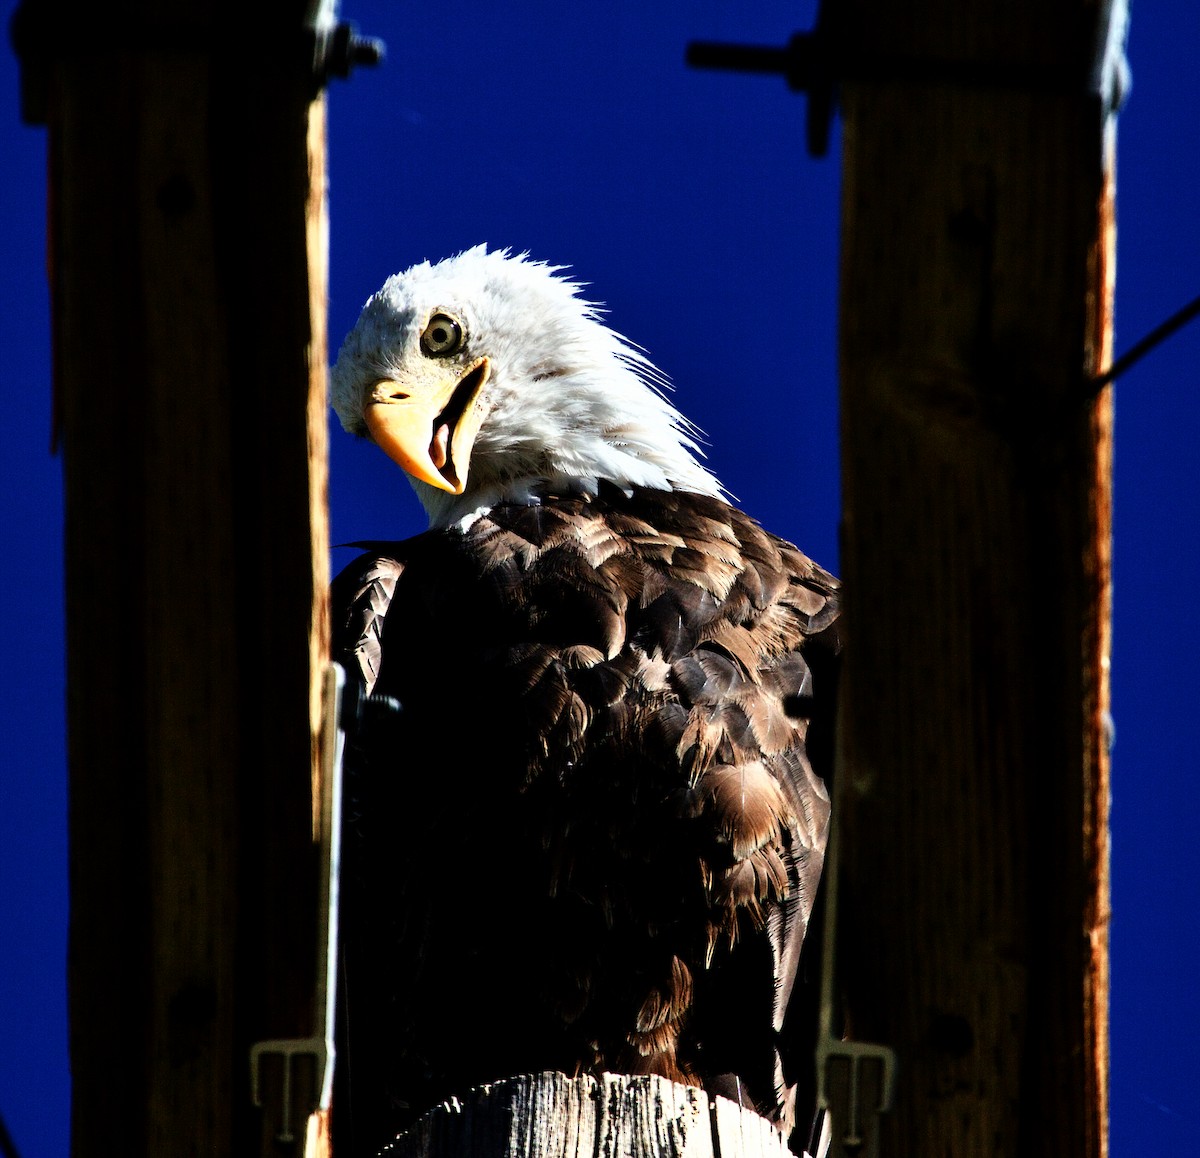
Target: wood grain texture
189 373
549 1115
975 299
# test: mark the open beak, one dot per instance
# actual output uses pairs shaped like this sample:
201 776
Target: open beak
430 431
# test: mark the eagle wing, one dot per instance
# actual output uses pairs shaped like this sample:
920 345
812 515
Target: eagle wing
363 593
593 838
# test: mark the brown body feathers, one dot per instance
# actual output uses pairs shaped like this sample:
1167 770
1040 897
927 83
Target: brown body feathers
592 838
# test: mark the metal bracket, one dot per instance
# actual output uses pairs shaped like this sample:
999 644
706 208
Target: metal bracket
810 63
817 62
854 1130
841 1081
288 1048
337 49
320 1045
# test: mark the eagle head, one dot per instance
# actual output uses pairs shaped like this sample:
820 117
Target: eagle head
489 379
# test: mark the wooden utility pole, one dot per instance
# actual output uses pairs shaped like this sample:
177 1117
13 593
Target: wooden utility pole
977 272
188 285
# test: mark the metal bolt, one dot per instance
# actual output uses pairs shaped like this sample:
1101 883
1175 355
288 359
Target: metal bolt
346 49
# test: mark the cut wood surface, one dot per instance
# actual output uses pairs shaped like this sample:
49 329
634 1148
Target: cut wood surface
550 1115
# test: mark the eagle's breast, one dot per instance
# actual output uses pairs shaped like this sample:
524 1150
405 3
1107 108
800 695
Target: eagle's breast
593 836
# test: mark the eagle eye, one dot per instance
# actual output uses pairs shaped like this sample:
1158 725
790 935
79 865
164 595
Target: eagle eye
443 335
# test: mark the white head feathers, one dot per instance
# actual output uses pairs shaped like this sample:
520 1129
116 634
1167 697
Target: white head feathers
567 402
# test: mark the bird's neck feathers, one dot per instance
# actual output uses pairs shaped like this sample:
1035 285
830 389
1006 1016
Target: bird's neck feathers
593 413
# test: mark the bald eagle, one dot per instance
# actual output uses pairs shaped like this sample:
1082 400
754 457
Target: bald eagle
590 838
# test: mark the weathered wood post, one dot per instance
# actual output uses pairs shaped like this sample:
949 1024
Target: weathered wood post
977 274
552 1116
188 268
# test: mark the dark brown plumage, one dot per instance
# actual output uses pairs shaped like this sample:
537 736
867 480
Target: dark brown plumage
592 839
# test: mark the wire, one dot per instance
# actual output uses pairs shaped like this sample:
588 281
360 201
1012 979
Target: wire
7 1146
1139 350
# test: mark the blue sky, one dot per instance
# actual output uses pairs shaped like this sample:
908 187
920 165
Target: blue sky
687 202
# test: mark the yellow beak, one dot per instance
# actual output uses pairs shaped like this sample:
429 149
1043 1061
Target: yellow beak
429 428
